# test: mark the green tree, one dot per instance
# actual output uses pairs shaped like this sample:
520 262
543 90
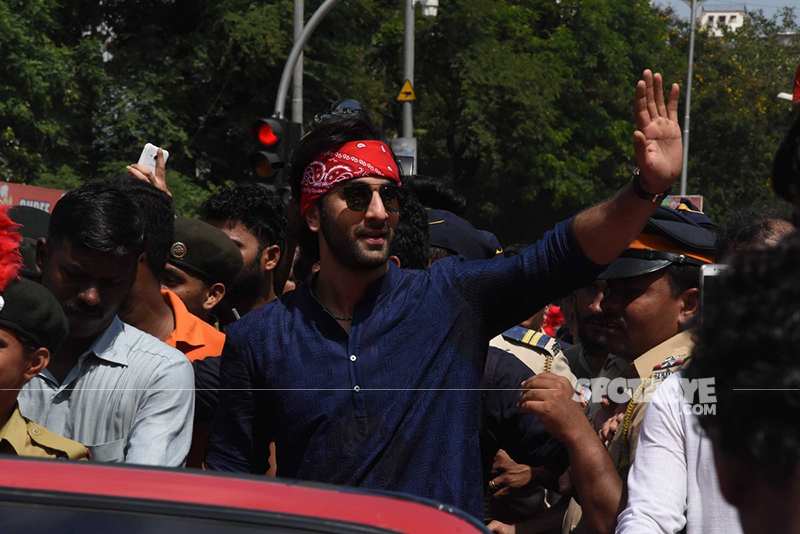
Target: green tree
527 106
736 121
523 105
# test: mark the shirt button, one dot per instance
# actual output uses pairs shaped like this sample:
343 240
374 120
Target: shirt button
353 358
357 389
35 431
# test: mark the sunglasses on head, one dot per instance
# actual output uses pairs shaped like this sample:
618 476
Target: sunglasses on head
359 195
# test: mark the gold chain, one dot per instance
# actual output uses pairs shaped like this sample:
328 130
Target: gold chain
625 462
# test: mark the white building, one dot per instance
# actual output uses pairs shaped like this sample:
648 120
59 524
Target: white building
714 20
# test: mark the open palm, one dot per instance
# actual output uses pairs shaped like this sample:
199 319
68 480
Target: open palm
657 140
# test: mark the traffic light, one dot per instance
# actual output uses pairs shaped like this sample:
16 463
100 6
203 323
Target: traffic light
274 141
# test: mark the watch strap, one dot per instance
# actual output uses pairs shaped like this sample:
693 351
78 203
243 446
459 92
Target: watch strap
641 193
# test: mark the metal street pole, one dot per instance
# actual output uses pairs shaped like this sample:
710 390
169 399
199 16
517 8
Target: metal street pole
685 167
408 64
294 55
297 78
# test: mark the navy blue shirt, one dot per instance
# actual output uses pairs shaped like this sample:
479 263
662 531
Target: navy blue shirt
396 405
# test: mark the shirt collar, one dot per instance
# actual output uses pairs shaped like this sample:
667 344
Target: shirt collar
105 346
678 345
15 432
187 327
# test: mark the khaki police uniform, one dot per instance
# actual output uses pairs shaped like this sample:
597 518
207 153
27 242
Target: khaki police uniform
22 437
652 367
540 352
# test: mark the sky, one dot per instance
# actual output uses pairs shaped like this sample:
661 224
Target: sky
770 7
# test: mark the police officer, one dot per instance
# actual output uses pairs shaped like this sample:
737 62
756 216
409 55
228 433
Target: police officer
32 326
652 301
201 265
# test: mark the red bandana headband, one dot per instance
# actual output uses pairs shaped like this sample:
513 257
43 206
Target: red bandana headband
351 160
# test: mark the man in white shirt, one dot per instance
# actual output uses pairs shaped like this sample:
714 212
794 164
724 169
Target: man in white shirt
124 394
673 484
749 345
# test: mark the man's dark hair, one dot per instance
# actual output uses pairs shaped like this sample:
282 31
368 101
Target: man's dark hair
331 131
260 210
411 242
749 341
682 278
747 227
158 213
432 193
99 217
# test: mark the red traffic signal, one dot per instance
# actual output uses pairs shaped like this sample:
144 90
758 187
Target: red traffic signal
273 142
268 132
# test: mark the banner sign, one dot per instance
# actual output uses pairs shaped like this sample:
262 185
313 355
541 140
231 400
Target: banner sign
29 195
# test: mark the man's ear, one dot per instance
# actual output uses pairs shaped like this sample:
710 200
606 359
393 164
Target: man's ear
394 259
41 255
36 363
214 295
690 305
270 257
313 218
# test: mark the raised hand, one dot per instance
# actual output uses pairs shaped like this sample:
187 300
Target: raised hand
657 140
143 173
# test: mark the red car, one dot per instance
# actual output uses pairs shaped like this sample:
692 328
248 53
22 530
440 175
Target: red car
55 497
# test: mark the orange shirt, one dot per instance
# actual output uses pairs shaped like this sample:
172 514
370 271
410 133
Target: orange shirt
192 336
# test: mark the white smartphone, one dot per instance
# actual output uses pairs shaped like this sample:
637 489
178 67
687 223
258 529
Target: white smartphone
148 157
709 282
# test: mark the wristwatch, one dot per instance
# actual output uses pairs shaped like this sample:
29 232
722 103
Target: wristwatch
641 193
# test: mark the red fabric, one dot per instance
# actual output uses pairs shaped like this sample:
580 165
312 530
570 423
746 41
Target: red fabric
552 320
351 160
10 258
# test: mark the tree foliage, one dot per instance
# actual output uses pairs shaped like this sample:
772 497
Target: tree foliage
737 121
523 105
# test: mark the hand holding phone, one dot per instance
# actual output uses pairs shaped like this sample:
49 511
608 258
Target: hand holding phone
152 167
149 155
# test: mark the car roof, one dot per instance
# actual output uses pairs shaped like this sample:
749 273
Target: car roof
396 512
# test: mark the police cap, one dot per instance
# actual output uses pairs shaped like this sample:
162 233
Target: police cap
32 311
682 236
449 231
204 251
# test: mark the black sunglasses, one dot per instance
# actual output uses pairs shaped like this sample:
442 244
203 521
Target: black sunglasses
359 195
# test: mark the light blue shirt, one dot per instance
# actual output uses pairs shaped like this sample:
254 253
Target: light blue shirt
130 398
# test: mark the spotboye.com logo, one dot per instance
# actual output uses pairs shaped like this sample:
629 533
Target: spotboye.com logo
698 398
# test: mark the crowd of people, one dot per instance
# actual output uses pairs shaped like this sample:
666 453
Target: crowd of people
368 335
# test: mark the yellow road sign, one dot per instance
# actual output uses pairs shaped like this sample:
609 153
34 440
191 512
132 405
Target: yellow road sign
406 93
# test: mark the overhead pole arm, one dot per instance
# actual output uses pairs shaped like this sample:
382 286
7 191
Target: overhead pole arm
294 55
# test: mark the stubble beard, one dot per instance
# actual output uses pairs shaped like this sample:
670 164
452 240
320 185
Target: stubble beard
346 248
